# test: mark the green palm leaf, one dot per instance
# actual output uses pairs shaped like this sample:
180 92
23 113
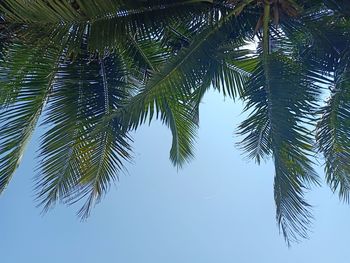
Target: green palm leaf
333 132
26 82
77 162
279 98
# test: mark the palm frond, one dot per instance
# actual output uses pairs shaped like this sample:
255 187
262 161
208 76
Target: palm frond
76 161
26 82
333 132
323 46
279 98
181 120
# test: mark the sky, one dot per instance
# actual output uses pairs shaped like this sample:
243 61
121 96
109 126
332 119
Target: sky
218 208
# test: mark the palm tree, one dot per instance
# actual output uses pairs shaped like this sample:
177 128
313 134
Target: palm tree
98 69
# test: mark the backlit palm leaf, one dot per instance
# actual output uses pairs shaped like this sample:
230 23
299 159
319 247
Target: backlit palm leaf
333 131
77 161
279 99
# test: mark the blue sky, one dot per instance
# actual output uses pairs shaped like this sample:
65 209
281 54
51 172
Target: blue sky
219 208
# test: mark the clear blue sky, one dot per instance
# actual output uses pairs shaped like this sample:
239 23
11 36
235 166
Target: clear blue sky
218 209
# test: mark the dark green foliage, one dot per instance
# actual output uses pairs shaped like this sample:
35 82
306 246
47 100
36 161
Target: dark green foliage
24 92
281 100
77 161
333 131
95 70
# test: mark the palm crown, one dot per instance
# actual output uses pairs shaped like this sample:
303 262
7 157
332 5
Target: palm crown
92 71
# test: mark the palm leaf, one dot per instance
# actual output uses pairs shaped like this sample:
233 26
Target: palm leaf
279 98
77 162
333 132
26 82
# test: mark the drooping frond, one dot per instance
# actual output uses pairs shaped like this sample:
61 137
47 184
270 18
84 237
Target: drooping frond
76 160
333 132
181 120
26 82
323 46
279 98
